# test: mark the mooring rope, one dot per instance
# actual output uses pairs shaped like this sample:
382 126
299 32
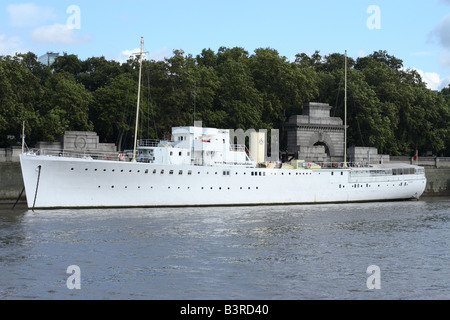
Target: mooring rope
20 195
37 186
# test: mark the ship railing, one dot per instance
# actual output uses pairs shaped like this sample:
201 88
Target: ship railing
343 165
148 143
108 156
241 148
238 147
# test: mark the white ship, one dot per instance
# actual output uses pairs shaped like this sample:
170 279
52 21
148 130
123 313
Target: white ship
203 167
200 167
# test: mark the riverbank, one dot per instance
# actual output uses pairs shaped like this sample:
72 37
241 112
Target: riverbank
11 184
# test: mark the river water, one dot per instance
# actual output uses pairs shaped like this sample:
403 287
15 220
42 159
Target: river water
268 252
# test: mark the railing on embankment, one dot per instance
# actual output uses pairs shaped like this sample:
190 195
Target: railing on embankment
426 162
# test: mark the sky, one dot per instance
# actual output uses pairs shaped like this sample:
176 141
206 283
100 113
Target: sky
415 31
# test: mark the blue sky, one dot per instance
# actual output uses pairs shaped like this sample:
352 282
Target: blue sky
416 31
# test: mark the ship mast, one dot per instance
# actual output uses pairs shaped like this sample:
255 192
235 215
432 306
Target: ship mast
138 100
23 136
345 114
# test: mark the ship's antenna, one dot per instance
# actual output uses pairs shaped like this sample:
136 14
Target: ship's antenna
23 136
345 114
195 98
138 100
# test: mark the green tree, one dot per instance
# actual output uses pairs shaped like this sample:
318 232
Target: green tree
283 85
68 63
20 92
97 72
65 107
114 109
236 95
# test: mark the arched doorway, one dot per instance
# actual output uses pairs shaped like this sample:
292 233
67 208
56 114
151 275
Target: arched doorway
321 143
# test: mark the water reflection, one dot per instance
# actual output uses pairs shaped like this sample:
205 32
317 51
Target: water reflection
12 233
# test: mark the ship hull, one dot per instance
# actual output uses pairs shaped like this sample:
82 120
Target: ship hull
58 182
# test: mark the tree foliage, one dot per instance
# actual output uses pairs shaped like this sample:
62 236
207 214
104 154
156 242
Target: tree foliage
389 107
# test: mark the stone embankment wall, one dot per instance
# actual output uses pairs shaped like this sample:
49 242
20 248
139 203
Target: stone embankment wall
11 183
438 181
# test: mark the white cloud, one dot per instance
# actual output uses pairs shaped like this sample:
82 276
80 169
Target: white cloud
445 83
442 32
422 53
126 54
58 33
444 57
157 55
161 54
361 53
10 45
29 14
433 80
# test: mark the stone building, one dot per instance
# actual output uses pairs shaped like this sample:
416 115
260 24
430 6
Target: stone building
79 142
315 135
